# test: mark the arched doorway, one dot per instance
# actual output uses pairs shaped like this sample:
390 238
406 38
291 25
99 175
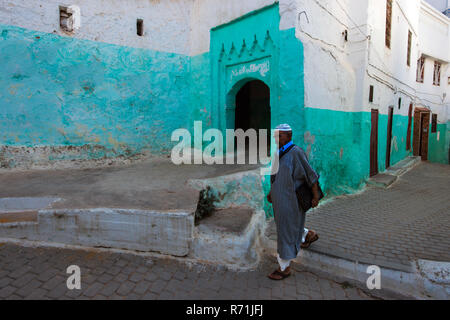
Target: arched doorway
253 108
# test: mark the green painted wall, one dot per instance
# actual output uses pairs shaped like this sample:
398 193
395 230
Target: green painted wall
62 91
438 150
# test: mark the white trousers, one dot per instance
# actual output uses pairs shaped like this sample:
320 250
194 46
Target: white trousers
284 264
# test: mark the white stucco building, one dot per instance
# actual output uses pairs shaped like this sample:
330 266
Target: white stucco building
359 80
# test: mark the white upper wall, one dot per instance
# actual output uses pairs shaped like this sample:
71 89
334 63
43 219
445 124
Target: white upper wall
387 67
434 40
334 68
166 23
207 14
338 74
434 33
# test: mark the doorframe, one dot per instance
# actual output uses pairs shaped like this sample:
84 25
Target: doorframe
421 132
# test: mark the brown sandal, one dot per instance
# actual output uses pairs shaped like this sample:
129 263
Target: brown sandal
279 275
311 237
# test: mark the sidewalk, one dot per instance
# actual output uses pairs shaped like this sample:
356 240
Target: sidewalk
393 228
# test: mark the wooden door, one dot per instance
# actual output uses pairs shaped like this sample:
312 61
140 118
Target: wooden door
421 133
425 128
417 130
389 137
374 144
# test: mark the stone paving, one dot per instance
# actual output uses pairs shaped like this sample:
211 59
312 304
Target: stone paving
388 227
40 273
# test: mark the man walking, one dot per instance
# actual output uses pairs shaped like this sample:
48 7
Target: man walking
293 171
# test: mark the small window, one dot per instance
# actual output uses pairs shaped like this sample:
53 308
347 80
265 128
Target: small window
434 123
437 74
399 103
345 35
69 18
140 27
408 58
420 69
388 23
65 19
371 94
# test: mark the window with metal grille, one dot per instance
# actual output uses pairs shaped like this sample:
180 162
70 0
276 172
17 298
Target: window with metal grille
420 69
408 58
388 22
437 74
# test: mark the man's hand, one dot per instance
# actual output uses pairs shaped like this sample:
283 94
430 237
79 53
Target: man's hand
269 197
315 202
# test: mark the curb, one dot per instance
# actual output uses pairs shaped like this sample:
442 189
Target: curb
416 284
429 279
391 175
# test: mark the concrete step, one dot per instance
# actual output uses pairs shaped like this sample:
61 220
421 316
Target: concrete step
403 166
387 178
23 209
230 237
382 180
17 204
23 216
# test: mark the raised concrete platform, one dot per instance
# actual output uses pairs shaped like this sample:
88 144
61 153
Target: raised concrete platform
157 184
146 207
382 180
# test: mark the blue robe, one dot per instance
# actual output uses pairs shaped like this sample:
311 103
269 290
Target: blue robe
293 170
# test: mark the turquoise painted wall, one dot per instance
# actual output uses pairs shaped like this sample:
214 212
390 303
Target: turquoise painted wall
63 91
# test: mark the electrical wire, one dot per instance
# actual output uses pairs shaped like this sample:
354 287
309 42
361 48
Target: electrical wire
414 95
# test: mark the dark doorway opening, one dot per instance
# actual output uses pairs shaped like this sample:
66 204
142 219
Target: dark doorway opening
253 110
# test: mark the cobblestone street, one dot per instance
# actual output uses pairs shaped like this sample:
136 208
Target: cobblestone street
40 273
